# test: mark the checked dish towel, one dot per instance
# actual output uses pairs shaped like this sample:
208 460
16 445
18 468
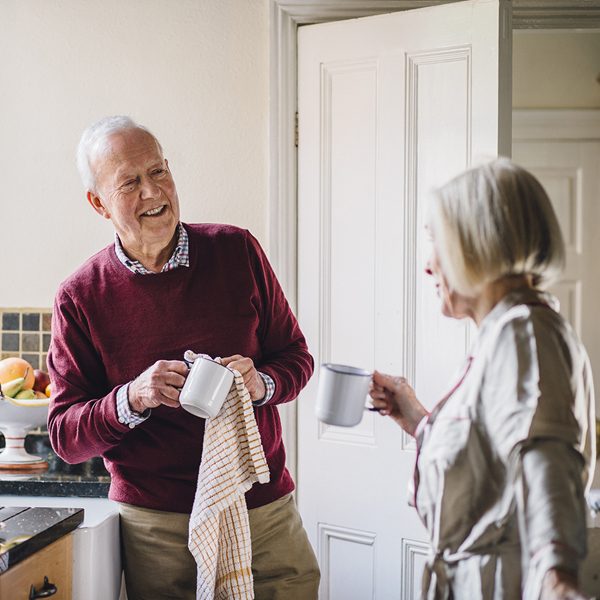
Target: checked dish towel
219 536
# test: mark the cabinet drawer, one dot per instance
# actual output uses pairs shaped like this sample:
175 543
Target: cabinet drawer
54 561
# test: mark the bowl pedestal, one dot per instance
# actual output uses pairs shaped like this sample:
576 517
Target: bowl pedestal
14 456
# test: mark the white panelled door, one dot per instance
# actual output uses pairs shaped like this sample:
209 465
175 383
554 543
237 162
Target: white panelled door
389 107
569 170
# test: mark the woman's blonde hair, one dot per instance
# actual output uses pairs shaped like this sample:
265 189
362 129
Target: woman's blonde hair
492 221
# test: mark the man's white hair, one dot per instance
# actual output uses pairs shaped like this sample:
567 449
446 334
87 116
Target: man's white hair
492 221
94 141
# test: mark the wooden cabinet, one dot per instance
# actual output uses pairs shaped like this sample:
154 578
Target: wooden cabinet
54 561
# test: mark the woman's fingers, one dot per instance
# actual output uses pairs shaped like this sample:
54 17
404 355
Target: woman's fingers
381 379
379 398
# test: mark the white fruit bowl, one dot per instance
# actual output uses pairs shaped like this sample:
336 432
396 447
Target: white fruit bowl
16 421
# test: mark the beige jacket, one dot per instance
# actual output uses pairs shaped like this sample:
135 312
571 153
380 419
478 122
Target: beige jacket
504 459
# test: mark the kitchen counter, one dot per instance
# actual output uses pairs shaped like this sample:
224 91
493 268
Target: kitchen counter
89 479
25 531
96 546
96 561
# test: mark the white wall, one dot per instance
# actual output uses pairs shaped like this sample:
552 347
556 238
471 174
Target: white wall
556 69
194 72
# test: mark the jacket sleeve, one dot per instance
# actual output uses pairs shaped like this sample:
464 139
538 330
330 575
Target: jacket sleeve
537 402
285 355
82 420
552 510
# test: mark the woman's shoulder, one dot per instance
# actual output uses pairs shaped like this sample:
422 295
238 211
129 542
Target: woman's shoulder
533 351
523 321
525 344
538 328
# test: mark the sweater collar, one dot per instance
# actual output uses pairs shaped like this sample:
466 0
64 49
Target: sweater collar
179 258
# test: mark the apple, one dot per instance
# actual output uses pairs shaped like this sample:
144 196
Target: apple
42 379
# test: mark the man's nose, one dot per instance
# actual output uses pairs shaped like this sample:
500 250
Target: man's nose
149 189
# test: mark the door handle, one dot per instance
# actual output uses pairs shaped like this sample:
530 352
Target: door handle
48 590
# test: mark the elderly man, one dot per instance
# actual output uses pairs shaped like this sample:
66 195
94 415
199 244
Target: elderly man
121 325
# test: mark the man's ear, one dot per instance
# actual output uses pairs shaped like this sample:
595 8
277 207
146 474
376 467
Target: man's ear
97 205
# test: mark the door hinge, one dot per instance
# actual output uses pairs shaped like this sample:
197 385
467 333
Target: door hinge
296 142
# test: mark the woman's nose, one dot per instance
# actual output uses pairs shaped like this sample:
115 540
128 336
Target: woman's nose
428 269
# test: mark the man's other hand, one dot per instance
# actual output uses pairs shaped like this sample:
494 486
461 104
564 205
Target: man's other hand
252 380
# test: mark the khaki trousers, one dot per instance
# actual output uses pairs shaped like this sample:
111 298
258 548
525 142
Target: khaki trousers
158 564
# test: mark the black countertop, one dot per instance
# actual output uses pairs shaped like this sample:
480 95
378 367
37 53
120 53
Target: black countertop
25 531
89 479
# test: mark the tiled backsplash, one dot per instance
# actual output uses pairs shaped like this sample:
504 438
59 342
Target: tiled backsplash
26 333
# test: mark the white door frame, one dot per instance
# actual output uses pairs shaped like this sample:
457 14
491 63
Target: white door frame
285 17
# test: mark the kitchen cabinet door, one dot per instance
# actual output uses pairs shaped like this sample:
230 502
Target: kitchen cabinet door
54 562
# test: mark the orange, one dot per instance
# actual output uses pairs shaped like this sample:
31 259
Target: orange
13 368
48 390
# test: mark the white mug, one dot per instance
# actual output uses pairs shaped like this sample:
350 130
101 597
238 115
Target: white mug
206 388
342 394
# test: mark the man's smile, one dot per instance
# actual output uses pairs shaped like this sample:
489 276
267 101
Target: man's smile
154 211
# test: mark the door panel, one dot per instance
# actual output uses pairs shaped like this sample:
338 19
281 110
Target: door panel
389 107
569 170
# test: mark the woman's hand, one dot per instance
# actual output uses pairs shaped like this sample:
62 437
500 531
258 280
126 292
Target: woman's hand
560 585
394 397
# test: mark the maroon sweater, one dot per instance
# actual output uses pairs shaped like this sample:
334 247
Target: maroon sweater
110 324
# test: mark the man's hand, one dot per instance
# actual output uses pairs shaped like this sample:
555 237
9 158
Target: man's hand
252 380
158 385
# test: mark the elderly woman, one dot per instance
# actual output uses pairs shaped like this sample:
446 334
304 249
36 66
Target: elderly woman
505 457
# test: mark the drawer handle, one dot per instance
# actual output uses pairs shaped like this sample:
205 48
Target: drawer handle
49 589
